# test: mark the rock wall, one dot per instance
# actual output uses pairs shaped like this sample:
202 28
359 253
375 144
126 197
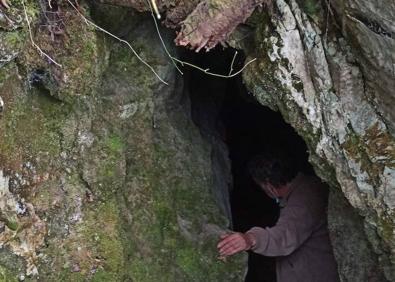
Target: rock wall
331 78
103 175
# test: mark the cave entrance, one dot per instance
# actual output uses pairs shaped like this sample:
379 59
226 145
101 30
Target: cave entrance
226 113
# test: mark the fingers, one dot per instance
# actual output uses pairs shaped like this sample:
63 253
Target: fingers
231 244
227 240
231 248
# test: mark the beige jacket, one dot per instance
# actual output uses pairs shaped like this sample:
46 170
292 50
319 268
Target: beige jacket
300 239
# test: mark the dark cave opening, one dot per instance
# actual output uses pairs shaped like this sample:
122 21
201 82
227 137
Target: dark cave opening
226 113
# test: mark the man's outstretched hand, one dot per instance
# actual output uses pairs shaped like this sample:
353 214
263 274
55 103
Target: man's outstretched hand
233 243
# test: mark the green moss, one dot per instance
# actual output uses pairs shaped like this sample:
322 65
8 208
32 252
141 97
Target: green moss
386 228
101 230
189 262
103 276
115 144
125 63
164 196
95 245
12 224
32 8
16 15
167 176
15 39
32 128
146 271
310 7
79 53
166 218
108 165
6 276
69 276
170 200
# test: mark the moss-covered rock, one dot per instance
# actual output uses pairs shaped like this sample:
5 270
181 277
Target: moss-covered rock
104 175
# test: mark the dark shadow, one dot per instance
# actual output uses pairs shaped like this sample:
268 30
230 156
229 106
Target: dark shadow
222 108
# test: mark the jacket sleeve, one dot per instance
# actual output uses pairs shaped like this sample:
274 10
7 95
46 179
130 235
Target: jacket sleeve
294 227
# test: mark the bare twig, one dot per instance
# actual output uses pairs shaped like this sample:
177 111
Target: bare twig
42 53
328 4
119 39
153 2
161 39
233 61
5 4
206 71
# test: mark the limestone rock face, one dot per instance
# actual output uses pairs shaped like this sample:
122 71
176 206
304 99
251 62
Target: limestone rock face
369 29
103 175
331 75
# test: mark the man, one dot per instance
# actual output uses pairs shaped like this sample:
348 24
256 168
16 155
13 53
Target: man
299 240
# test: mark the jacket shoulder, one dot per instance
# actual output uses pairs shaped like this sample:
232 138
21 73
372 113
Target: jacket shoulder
310 190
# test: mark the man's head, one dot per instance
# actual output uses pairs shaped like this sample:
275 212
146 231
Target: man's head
272 170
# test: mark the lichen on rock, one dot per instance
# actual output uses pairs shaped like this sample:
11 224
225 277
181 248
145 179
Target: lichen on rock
23 231
313 78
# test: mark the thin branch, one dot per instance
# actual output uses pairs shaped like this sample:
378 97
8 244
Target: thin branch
119 39
206 71
42 53
161 39
328 4
5 4
233 61
153 2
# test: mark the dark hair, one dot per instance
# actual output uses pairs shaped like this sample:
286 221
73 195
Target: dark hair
274 167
